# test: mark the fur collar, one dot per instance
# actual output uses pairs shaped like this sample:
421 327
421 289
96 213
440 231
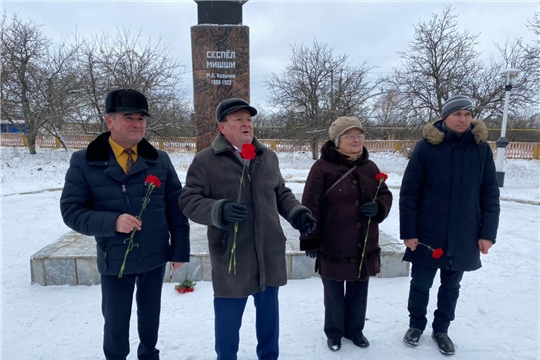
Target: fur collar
100 149
434 134
330 153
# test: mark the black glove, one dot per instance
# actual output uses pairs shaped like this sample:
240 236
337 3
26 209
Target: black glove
304 222
314 254
370 209
234 212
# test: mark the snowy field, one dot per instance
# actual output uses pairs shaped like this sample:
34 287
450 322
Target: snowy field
497 316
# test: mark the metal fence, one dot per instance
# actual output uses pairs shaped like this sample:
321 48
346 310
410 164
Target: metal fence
515 150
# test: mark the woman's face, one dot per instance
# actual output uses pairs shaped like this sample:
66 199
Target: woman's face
351 141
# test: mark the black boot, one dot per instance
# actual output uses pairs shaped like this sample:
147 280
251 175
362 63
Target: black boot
412 336
334 344
445 344
360 341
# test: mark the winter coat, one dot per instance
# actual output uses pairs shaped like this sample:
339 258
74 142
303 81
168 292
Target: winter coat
97 191
449 197
341 227
213 180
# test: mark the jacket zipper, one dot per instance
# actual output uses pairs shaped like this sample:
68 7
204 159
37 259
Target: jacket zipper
125 193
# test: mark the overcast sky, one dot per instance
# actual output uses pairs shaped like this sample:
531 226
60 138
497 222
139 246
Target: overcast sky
374 31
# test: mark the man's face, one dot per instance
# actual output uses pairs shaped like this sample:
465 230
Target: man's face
127 130
459 121
237 128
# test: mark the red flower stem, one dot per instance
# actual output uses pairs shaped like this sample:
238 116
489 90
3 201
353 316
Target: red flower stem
364 249
378 187
429 247
131 244
232 260
367 232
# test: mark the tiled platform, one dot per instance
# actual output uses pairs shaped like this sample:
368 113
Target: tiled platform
71 260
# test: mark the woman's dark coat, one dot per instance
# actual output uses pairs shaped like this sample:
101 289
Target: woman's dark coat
97 191
212 180
341 227
449 197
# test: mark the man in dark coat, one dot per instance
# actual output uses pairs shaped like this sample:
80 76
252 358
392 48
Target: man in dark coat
246 241
102 197
449 202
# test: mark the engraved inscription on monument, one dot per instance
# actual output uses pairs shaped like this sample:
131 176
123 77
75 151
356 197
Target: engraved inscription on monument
220 57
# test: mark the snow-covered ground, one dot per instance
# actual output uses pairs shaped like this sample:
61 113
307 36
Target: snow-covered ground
497 314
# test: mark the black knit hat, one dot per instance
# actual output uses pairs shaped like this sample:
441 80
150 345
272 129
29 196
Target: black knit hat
455 103
126 101
229 106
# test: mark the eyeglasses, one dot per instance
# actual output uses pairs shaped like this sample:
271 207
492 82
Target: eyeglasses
352 137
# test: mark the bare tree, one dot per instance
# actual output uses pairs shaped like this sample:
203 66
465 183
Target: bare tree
315 87
386 110
125 61
23 53
440 62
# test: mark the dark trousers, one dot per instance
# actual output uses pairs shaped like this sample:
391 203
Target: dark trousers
228 319
421 282
345 305
117 298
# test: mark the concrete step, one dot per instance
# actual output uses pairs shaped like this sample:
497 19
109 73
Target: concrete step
71 260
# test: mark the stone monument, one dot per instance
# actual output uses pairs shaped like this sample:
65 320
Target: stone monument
220 58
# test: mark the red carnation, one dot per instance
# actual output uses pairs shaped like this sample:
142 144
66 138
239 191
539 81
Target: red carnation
154 180
248 151
185 286
437 253
381 177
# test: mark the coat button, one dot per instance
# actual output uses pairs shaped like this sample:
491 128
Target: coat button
355 182
358 225
357 202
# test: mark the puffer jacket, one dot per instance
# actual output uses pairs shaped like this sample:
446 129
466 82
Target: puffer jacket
449 197
97 191
341 227
212 180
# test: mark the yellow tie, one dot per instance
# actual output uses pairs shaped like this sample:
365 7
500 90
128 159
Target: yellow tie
130 162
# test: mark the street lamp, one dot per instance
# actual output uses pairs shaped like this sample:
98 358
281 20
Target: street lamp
509 77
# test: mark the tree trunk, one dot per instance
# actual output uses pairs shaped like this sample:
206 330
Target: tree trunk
315 149
62 142
31 144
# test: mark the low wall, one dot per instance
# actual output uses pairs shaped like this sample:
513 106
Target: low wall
71 260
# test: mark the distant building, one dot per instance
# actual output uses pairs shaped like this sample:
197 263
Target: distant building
12 127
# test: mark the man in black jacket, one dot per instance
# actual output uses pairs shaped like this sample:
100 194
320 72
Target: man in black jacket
449 214
105 188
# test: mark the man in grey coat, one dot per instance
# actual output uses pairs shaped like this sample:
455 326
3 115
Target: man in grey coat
240 199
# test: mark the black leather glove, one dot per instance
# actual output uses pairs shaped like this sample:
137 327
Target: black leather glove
234 212
304 222
314 254
370 209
